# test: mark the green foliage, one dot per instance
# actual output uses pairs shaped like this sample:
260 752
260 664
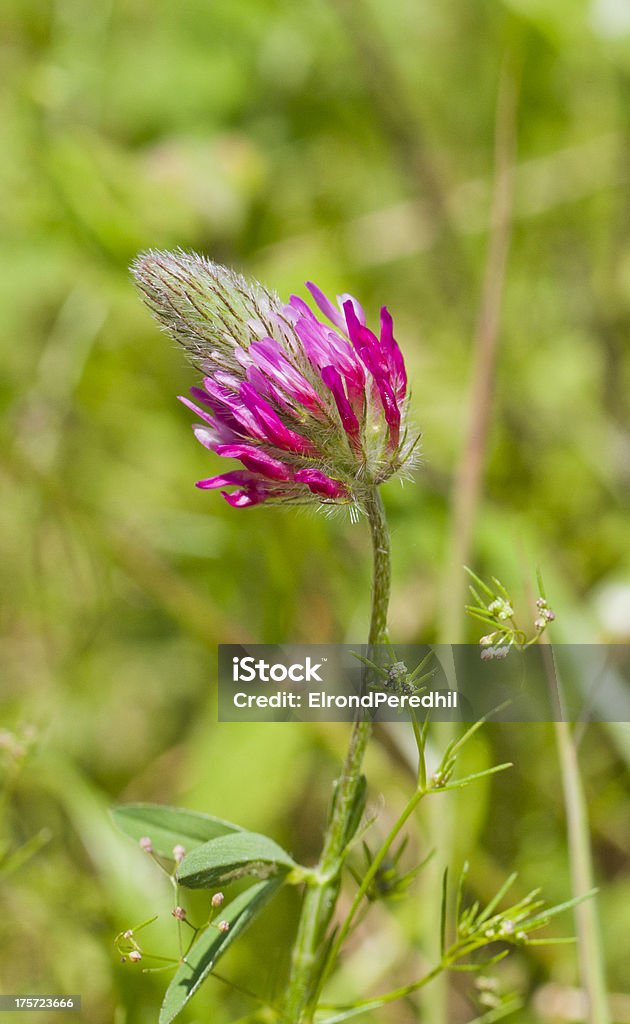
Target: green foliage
208 949
292 141
233 856
168 827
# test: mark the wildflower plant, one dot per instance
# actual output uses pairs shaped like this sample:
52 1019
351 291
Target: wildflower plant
314 410
495 608
314 407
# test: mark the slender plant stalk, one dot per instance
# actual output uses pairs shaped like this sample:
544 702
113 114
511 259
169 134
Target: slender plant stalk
469 477
321 895
590 954
367 880
468 483
586 917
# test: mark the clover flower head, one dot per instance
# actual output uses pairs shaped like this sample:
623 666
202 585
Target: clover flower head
314 411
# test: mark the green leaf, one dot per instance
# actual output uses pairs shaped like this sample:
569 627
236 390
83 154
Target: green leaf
233 856
443 912
212 944
539 920
357 809
352 1011
167 827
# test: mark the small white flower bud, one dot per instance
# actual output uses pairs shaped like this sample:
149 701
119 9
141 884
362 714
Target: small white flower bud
487 641
223 926
217 899
145 844
179 852
501 608
179 913
128 934
486 984
135 956
540 624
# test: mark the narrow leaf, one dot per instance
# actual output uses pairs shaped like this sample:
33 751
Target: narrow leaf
208 949
352 1011
459 783
356 812
167 827
479 581
540 919
443 912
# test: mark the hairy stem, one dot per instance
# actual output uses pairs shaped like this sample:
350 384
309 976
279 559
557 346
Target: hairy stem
321 895
367 881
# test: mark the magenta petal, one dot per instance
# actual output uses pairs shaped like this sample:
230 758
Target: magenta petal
223 419
230 409
391 410
255 460
266 389
270 359
319 483
326 306
296 304
393 354
202 396
356 305
332 380
236 478
365 342
244 499
227 380
269 422
207 436
324 347
197 411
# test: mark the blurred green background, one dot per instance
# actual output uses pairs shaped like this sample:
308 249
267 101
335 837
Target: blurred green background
350 142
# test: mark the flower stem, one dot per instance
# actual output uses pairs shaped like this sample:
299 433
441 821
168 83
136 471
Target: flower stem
367 881
321 895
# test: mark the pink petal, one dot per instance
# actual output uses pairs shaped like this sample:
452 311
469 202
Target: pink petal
319 483
326 306
255 460
332 380
244 499
271 424
393 354
236 478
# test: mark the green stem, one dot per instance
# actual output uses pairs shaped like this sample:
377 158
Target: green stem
367 881
586 918
321 895
590 954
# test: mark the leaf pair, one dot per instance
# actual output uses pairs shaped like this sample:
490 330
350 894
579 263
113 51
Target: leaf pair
218 852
